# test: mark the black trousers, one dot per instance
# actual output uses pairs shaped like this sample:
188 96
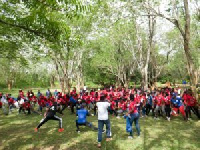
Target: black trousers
188 112
148 108
113 111
29 110
95 110
72 107
167 110
47 118
63 108
194 109
21 109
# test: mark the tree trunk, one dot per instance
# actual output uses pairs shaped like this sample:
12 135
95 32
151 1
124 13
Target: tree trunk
151 25
118 83
61 80
143 79
186 38
52 81
126 85
62 85
68 85
78 84
9 84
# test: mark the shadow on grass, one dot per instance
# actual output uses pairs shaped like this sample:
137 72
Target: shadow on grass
173 135
17 132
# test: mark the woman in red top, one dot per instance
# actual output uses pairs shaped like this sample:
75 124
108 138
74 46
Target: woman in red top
113 107
134 117
158 101
27 106
167 101
193 105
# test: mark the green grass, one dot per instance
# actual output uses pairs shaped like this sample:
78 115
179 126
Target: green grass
17 132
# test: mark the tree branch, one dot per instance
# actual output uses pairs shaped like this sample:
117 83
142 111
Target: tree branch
172 20
38 33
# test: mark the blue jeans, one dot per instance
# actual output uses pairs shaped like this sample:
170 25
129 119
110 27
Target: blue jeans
100 129
143 111
135 118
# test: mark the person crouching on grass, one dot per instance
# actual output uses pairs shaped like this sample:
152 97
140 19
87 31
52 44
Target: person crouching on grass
102 106
50 114
82 114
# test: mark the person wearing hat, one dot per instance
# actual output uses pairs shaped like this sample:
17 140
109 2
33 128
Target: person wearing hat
50 114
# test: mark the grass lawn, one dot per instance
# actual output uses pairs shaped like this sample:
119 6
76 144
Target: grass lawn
17 132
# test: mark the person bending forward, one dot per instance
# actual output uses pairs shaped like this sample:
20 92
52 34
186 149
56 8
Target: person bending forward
50 114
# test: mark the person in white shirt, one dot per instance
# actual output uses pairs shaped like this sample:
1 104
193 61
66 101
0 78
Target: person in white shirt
5 106
103 119
21 102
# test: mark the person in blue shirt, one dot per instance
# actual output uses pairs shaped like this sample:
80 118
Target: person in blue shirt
48 93
73 102
55 94
39 94
178 105
82 119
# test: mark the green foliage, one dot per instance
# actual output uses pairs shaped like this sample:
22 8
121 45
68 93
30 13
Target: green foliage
104 32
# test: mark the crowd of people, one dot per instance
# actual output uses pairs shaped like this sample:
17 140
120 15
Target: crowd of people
130 104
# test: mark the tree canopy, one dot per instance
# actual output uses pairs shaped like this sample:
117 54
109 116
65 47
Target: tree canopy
77 42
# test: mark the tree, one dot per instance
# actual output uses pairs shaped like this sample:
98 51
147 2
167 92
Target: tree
185 33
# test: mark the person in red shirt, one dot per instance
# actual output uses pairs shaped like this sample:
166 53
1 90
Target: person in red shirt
113 107
73 92
124 106
120 107
158 101
134 117
28 94
41 103
27 106
192 105
167 101
21 94
186 98
143 104
34 100
10 101
64 104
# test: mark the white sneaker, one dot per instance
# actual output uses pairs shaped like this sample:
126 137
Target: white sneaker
78 132
168 119
130 137
189 119
118 117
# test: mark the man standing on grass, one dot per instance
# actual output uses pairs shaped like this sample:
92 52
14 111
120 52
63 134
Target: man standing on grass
103 119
